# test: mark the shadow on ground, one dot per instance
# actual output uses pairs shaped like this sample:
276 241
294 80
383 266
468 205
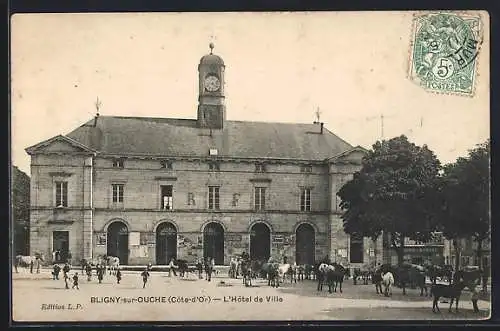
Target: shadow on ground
381 313
350 291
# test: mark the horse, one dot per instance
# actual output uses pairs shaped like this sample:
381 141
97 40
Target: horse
246 270
331 274
388 282
25 261
271 271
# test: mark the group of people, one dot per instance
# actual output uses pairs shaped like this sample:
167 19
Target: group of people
100 272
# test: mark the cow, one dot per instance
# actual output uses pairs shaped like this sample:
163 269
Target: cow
388 282
452 291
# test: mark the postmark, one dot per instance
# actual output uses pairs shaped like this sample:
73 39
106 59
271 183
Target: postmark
444 51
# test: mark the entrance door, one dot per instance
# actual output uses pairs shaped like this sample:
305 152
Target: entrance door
166 243
304 248
118 241
60 244
213 242
260 242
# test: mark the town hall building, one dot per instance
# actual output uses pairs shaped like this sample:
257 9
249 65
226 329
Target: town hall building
151 189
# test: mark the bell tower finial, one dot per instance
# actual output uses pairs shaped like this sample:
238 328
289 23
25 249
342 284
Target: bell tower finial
211 45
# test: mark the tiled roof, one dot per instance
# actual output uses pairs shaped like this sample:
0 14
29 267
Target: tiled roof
182 137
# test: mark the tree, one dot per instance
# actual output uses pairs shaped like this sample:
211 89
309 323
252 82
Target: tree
466 199
20 210
395 191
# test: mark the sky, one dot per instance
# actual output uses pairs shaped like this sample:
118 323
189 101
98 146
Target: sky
280 67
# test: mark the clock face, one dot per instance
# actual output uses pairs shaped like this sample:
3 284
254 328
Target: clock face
212 83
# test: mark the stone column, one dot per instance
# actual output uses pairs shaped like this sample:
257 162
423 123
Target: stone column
88 226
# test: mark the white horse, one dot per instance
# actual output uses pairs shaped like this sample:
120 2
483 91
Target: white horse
388 282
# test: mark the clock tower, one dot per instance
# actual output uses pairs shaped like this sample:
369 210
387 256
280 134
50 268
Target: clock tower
211 107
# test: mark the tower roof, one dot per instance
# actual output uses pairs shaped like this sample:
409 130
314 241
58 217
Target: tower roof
211 58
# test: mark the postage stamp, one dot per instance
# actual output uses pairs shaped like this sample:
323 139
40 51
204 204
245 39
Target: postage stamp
444 52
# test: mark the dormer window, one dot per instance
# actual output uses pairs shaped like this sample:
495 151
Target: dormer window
260 167
214 166
306 168
118 163
166 164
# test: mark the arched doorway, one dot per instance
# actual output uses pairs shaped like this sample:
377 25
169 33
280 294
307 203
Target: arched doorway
304 247
213 242
166 243
260 242
118 241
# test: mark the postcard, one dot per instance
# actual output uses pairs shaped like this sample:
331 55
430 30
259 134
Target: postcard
279 166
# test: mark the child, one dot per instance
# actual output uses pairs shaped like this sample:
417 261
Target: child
56 271
88 269
475 298
118 275
75 281
145 275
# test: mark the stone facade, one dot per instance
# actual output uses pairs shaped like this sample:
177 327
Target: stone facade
101 188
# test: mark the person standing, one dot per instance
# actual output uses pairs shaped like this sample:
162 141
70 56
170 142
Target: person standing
145 276
199 266
69 257
56 271
118 275
208 269
31 266
88 269
171 268
37 264
75 281
474 299
100 273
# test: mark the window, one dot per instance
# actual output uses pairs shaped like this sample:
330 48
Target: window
166 164
213 197
260 167
260 198
356 249
167 202
305 199
214 166
118 163
61 194
118 193
306 168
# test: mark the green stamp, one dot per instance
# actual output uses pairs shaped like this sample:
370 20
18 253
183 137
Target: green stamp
444 52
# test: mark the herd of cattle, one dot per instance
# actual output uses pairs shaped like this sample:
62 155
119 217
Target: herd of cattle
331 274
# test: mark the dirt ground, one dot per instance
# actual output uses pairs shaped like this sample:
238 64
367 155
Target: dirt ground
36 297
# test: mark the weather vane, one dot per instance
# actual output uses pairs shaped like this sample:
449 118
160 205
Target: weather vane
318 114
97 105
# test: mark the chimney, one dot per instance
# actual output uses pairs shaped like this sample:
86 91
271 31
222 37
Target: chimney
321 127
